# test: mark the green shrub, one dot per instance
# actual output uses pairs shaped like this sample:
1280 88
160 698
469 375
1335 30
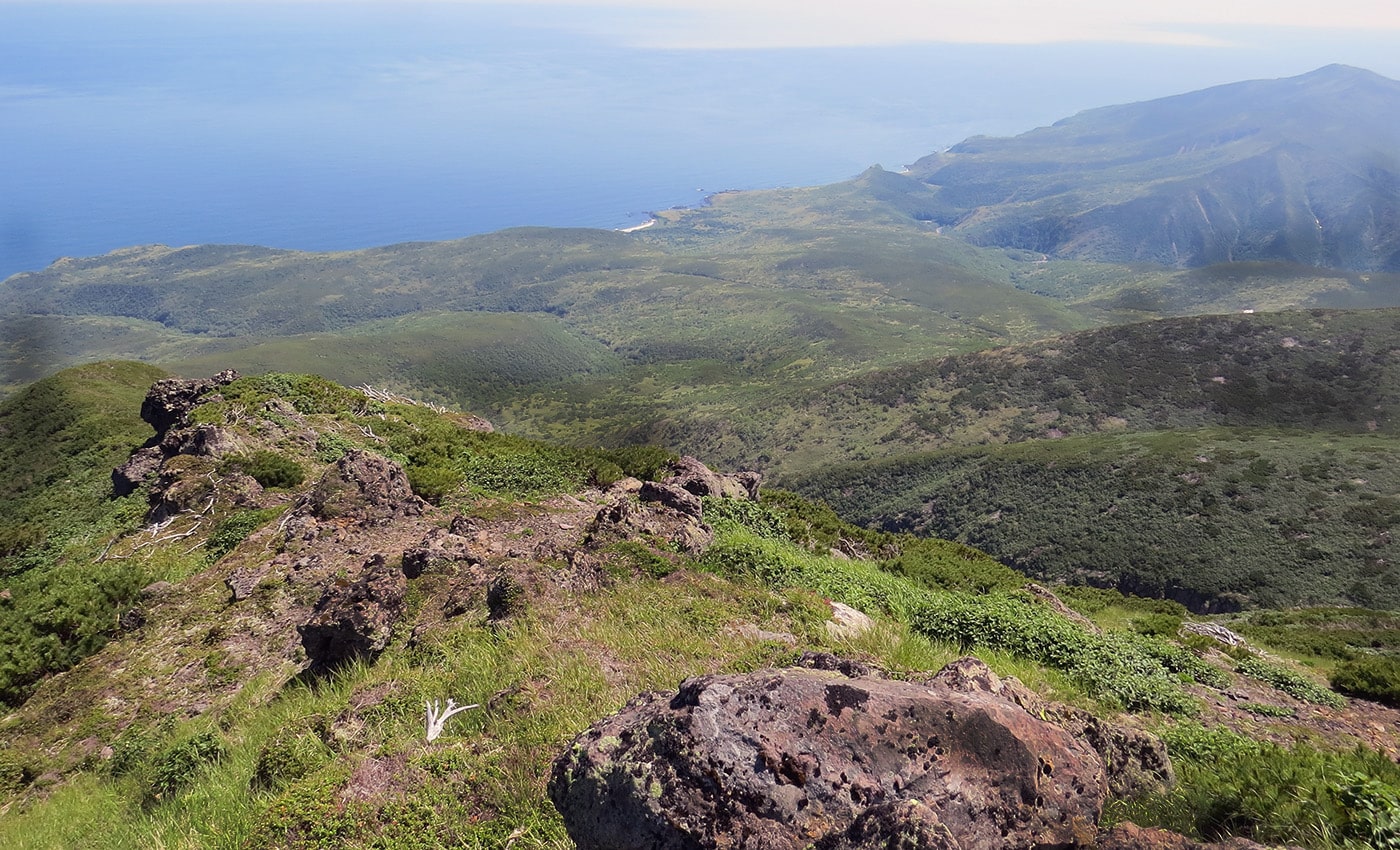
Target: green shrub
332 447
1371 811
434 483
1158 625
289 755
234 529
763 520
636 557
643 462
1372 677
182 763
1113 667
268 468
1291 683
1232 785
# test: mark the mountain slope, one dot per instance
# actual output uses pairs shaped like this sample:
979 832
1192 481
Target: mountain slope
269 689
1216 519
1304 169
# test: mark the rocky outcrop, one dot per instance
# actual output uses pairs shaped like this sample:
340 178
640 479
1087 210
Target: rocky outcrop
166 408
800 757
365 487
355 619
169 401
141 467
439 552
623 519
672 497
698 479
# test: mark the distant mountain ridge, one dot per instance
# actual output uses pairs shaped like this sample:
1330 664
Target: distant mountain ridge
1304 169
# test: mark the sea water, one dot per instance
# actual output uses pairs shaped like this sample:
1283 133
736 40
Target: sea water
325 126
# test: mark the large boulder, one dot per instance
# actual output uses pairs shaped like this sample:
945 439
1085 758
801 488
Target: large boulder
142 466
364 486
796 758
1135 762
698 479
355 619
672 497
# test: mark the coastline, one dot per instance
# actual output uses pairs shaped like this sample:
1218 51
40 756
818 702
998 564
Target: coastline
634 228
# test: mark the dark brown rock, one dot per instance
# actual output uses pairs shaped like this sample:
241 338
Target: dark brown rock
355 619
438 552
672 497
243 581
169 401
141 467
698 479
366 487
623 519
900 825
787 759
1136 762
207 441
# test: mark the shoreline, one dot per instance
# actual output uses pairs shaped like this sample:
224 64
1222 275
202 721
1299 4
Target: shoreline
643 226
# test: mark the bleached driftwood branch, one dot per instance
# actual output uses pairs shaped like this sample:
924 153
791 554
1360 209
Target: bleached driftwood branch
437 715
395 398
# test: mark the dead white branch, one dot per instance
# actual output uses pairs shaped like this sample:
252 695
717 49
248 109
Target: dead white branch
437 715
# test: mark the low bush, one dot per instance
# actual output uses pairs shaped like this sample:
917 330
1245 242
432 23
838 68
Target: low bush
183 762
1232 785
1113 667
1294 684
289 755
1372 677
268 468
234 529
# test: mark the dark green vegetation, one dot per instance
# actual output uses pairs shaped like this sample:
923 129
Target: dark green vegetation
1302 170
1214 518
270 759
59 439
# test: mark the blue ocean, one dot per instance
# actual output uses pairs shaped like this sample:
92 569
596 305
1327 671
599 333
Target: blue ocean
333 126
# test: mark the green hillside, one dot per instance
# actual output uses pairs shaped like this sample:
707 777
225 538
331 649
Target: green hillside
540 589
1216 519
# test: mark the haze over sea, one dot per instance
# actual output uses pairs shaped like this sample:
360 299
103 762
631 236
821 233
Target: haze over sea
331 126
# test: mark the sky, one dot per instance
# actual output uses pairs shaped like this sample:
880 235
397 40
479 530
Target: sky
842 23
720 24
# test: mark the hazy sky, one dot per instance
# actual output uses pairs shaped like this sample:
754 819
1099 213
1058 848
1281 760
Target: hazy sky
808 23
832 23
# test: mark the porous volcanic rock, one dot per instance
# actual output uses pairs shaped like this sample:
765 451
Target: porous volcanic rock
355 619
141 467
672 497
364 486
787 759
169 401
1135 761
623 519
438 552
698 479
